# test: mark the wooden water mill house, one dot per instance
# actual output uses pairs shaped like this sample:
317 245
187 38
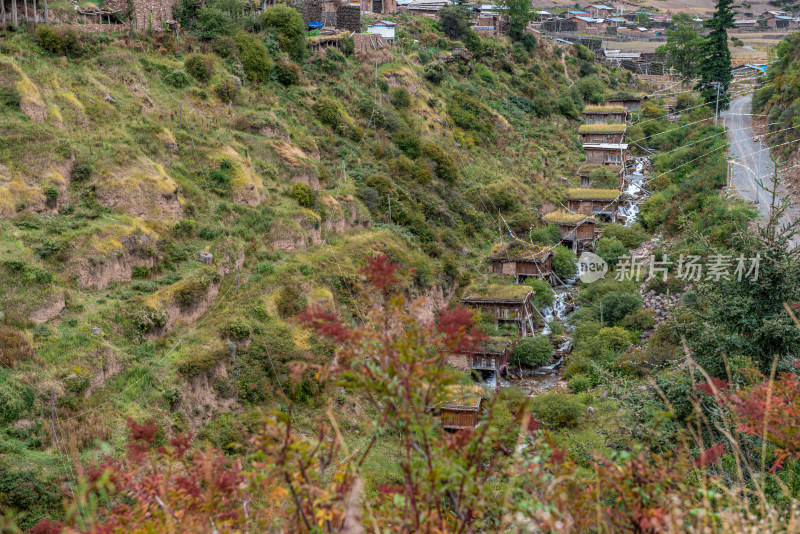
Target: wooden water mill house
585 170
506 304
462 409
600 203
521 260
593 114
602 132
576 229
489 355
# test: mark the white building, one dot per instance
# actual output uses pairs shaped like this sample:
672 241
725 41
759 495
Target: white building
384 28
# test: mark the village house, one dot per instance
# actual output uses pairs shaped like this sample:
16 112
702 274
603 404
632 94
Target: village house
490 355
569 15
745 24
429 8
605 153
544 15
505 305
576 229
600 11
588 24
521 260
600 203
778 19
629 101
462 408
486 19
592 114
602 132
585 170
384 28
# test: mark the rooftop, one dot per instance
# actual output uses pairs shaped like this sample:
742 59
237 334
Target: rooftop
567 217
602 127
576 193
605 109
496 292
606 146
463 397
519 251
601 6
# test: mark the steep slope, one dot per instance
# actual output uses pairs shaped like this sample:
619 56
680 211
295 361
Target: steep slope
160 231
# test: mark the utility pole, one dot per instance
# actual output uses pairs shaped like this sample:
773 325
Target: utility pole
716 113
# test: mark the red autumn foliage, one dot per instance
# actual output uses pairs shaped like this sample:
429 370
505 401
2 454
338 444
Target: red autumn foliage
771 411
380 272
458 329
714 387
711 454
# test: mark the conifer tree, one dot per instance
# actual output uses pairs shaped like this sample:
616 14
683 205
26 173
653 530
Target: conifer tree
715 63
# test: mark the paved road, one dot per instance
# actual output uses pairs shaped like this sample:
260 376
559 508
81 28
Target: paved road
752 157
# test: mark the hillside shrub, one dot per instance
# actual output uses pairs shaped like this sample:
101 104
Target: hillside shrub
590 89
147 319
630 236
544 296
532 351
15 346
446 167
614 338
228 89
59 41
435 72
400 97
557 409
567 107
545 235
454 21
347 46
256 61
303 194
287 25
409 142
617 304
582 52
81 171
212 23
199 66
580 383
9 97
564 263
290 301
236 330
287 73
178 79
610 249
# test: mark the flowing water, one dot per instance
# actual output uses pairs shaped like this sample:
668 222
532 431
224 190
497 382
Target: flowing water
547 377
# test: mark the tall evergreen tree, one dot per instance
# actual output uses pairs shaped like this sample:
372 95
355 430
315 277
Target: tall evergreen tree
715 63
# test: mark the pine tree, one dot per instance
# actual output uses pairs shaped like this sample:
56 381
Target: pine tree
715 63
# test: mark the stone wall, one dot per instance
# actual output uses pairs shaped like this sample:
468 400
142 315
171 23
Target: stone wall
349 18
310 10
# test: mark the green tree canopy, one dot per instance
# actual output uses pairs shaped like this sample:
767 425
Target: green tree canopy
714 65
288 27
680 52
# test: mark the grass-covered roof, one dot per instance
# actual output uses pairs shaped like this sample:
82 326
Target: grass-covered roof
463 396
592 194
605 109
497 292
519 251
566 217
603 127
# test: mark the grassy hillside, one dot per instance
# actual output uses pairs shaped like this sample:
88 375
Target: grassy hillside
127 163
